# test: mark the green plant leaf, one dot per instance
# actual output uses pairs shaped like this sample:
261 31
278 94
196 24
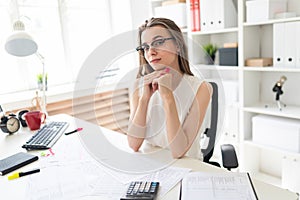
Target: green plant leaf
210 49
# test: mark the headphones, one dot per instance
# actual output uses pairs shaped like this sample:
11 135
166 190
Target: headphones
21 117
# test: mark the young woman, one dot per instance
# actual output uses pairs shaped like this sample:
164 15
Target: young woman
169 103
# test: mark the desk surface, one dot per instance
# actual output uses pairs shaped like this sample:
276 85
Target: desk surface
10 144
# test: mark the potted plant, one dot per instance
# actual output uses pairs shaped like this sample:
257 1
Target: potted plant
39 78
210 51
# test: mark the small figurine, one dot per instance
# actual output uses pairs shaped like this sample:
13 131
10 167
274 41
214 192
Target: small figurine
278 89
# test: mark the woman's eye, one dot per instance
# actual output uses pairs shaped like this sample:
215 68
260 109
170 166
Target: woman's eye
157 43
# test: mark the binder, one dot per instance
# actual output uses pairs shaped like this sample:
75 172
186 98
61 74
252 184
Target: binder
197 14
298 45
290 45
225 15
278 44
290 170
217 14
192 15
205 14
286 51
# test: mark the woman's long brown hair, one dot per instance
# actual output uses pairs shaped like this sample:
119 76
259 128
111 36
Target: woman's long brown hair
176 33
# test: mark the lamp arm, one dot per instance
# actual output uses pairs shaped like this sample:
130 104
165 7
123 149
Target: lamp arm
42 59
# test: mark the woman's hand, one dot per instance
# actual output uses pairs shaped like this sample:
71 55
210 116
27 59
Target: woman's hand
149 83
167 82
164 84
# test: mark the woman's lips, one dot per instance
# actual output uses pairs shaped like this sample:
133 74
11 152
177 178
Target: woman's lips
155 60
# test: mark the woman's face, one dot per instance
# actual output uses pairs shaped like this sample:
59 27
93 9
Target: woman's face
160 49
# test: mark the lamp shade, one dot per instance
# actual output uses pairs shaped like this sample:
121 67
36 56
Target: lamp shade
20 43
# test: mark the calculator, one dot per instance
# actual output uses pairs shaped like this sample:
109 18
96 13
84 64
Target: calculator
141 190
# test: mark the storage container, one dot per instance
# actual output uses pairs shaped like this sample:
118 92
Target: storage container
175 12
290 172
263 10
279 132
228 56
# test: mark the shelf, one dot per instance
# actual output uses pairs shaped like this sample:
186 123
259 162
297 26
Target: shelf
271 69
275 149
272 109
273 21
226 30
267 178
254 40
217 67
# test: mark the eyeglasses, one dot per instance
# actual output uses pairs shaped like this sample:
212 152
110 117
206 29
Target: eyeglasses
154 44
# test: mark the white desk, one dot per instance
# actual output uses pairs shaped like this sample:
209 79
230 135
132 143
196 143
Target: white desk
10 144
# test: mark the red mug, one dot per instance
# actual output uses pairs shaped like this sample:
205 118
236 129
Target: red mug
34 119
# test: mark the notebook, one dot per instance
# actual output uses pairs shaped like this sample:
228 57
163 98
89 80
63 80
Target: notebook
16 161
217 186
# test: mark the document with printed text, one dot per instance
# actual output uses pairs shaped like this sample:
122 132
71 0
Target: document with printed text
217 186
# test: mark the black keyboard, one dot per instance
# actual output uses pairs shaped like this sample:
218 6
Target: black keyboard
46 137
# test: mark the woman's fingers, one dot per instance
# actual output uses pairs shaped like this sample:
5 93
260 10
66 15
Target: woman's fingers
165 81
151 79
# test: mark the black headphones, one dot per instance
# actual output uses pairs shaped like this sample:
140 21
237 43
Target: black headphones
21 117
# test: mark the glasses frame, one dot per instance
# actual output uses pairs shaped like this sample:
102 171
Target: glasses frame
143 47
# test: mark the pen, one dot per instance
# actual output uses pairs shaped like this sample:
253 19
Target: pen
78 129
20 174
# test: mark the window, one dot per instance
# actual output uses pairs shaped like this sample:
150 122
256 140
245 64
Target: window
66 32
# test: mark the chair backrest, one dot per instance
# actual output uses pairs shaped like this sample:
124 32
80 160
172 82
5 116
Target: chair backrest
211 132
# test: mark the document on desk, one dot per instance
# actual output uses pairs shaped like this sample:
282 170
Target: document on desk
217 186
72 173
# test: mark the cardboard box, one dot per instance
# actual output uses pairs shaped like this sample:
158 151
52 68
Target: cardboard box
228 56
279 132
230 45
169 2
259 62
175 12
263 10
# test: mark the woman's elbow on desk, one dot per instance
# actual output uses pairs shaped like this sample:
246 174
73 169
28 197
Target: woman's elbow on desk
176 156
134 148
134 143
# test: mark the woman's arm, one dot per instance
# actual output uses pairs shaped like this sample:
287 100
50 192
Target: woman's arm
139 106
181 136
137 121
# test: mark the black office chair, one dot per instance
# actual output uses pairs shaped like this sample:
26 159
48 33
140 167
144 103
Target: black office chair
229 157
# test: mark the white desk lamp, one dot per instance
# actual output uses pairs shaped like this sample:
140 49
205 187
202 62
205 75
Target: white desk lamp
20 44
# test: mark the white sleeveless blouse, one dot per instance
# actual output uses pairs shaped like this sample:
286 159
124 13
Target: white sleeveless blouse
184 96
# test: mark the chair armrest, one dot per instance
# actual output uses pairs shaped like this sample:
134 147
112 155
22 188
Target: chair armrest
229 157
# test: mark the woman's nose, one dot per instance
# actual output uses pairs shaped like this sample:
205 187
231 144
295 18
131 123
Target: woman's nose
152 51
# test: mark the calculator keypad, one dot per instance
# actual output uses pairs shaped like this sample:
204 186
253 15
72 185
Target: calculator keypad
142 190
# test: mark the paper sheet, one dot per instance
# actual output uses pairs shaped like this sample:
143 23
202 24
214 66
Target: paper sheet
70 180
217 186
71 172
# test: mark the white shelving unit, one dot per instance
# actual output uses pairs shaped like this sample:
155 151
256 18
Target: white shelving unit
255 95
227 78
